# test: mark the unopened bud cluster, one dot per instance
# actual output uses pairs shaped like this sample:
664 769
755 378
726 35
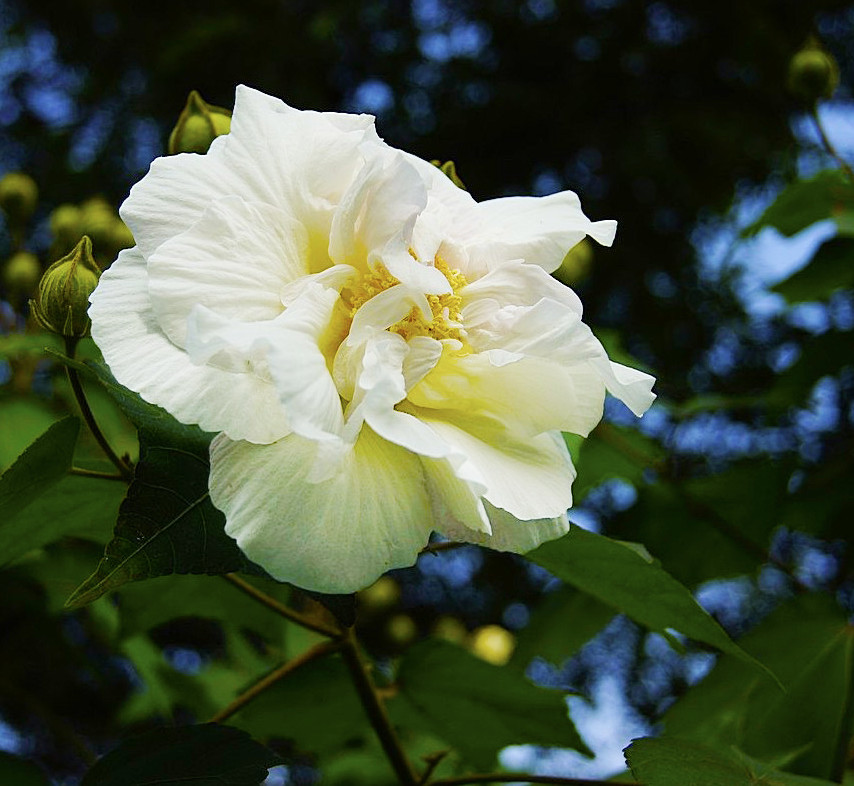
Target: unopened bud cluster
62 301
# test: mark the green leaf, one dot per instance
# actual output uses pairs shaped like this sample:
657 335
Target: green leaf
800 641
831 269
323 711
613 451
74 507
671 762
22 421
816 712
41 503
167 523
623 577
560 625
207 755
39 467
825 195
479 708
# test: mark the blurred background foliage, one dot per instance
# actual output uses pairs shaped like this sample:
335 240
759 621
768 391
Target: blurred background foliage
672 117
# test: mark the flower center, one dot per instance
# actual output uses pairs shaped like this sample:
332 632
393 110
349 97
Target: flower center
445 308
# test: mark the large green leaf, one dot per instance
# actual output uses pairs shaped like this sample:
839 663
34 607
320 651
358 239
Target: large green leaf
207 755
22 421
562 623
41 503
830 269
806 642
625 577
167 523
671 762
825 195
479 708
316 706
39 467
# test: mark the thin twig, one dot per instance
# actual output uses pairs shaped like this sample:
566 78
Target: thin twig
318 651
93 473
124 470
517 777
827 144
280 608
376 711
433 760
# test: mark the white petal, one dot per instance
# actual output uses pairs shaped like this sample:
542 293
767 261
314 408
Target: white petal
533 394
336 536
269 156
142 358
299 368
528 477
455 490
516 284
511 534
234 261
382 204
538 230
632 387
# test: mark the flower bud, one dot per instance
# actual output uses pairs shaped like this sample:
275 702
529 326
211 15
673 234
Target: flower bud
493 644
450 169
813 73
198 125
62 300
65 225
21 273
18 196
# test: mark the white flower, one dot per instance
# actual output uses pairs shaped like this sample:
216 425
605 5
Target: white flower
380 355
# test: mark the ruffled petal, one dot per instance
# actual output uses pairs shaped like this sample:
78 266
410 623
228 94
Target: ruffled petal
234 260
336 536
507 533
528 477
142 358
532 394
269 156
538 230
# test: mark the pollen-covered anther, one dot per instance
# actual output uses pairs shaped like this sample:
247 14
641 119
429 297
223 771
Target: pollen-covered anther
445 309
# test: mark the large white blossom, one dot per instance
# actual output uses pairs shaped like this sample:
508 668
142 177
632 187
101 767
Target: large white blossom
380 355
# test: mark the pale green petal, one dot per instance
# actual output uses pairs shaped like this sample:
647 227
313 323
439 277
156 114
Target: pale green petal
529 477
336 536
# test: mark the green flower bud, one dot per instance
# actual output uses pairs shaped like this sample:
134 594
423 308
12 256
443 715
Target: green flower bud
813 72
66 225
121 236
62 300
21 273
198 125
19 196
576 264
450 169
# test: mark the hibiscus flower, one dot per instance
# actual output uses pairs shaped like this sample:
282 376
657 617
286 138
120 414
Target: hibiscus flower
379 355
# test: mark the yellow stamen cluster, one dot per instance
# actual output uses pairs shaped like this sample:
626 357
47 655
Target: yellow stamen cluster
445 308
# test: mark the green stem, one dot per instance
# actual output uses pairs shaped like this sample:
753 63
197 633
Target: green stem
318 651
280 608
85 410
827 144
376 712
93 473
